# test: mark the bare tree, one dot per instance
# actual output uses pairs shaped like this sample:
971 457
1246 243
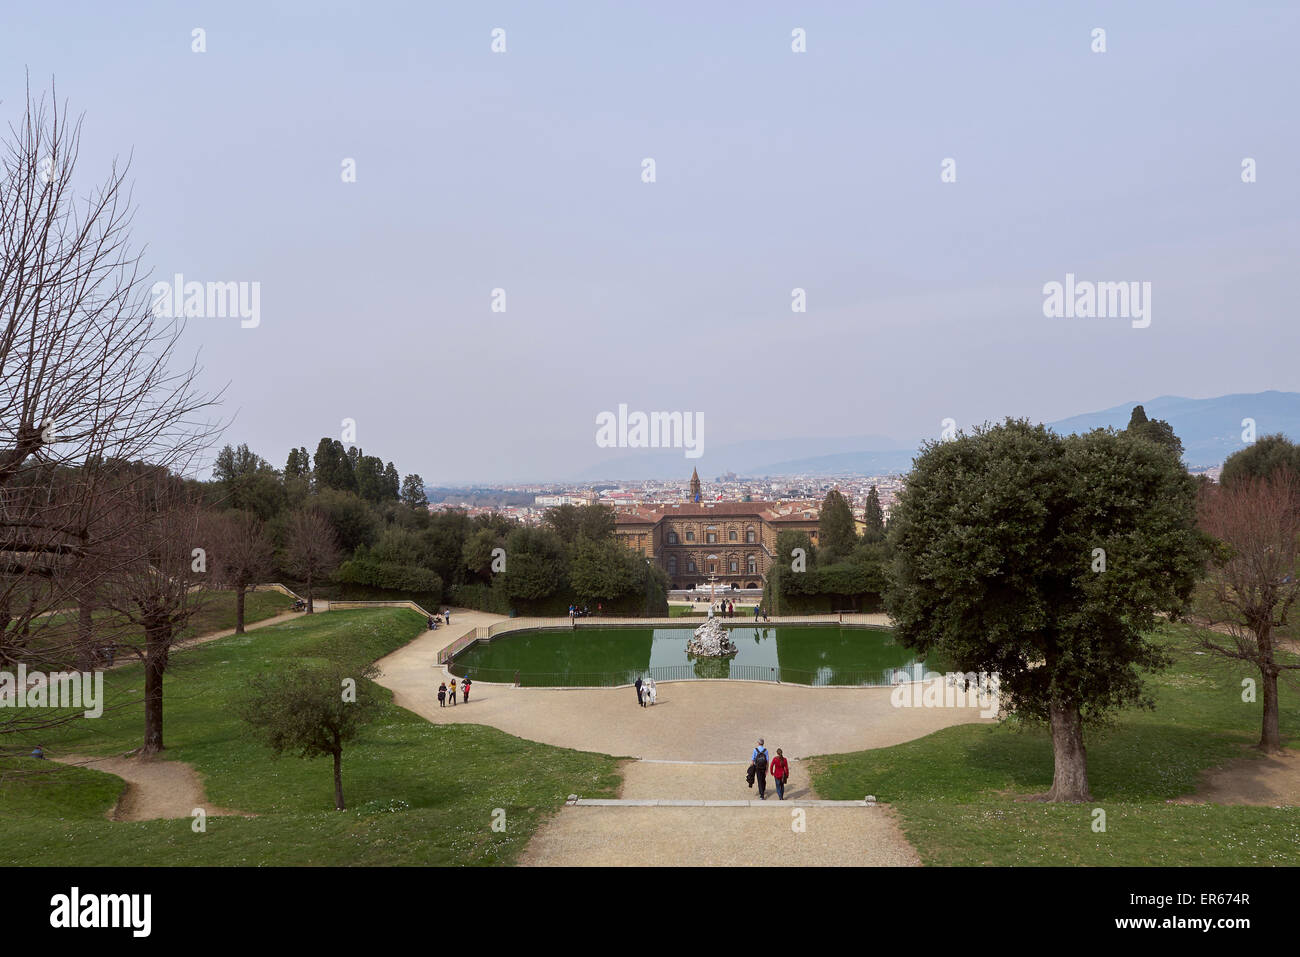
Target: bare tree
312 550
157 584
242 553
1252 578
86 387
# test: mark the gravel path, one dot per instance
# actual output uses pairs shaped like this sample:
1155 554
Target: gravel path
154 788
720 837
693 720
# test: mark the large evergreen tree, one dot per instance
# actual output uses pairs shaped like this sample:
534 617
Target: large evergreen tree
1045 560
1154 430
1261 460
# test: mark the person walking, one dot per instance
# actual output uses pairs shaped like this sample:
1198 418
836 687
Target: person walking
451 692
780 773
638 691
759 762
756 611
446 615
464 690
442 695
650 690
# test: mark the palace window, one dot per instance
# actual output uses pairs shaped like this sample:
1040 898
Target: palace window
752 564
731 535
672 538
672 564
690 536
710 537
749 535
734 566
690 566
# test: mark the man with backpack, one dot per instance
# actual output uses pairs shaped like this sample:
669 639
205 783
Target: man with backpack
758 763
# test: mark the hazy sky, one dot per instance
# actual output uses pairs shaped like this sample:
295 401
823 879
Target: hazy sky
774 170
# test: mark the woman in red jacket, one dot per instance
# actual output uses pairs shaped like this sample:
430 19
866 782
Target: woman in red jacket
780 771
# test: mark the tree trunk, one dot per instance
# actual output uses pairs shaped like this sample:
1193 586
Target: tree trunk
1070 774
1270 739
309 601
239 609
157 641
86 636
338 779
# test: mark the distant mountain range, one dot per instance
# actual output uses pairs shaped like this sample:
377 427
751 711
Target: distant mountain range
1211 430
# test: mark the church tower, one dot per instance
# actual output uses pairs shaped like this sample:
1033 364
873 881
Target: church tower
695 485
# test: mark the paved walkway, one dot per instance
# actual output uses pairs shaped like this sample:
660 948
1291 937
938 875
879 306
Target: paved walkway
693 720
695 742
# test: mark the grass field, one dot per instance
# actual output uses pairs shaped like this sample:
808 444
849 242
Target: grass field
417 794
960 792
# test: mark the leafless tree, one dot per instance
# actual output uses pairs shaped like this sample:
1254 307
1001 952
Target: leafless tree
1252 578
87 385
242 553
312 549
158 582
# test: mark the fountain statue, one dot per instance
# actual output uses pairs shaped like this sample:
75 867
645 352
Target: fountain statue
711 641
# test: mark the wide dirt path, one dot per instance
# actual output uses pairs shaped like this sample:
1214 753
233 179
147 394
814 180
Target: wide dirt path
154 788
696 741
1270 780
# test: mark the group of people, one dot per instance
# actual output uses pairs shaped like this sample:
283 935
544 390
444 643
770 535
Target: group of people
761 765
585 610
646 692
444 692
444 618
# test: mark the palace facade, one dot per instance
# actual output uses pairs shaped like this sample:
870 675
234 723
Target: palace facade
696 541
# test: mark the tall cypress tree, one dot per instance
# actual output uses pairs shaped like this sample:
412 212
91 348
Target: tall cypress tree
836 533
874 517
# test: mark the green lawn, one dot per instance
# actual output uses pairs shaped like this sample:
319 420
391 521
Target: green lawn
960 791
417 793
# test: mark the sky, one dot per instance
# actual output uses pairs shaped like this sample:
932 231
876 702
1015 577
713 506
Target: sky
774 170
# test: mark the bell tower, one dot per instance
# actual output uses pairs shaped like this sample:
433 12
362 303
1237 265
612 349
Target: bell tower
695 485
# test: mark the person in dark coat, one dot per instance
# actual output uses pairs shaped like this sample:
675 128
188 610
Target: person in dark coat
638 691
442 695
758 761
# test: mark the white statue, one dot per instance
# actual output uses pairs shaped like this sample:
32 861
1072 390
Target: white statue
711 640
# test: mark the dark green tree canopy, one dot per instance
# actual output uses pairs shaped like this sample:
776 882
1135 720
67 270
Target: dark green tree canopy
874 517
1154 430
1264 458
837 534
996 537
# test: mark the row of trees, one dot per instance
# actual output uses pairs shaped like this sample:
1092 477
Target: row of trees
843 571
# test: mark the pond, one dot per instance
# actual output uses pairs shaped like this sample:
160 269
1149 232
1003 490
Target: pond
794 654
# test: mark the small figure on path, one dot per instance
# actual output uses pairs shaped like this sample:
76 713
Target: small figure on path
452 691
464 689
639 700
780 773
442 695
39 753
758 761
446 615
650 690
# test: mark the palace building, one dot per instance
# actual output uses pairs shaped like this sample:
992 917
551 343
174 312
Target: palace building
696 541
